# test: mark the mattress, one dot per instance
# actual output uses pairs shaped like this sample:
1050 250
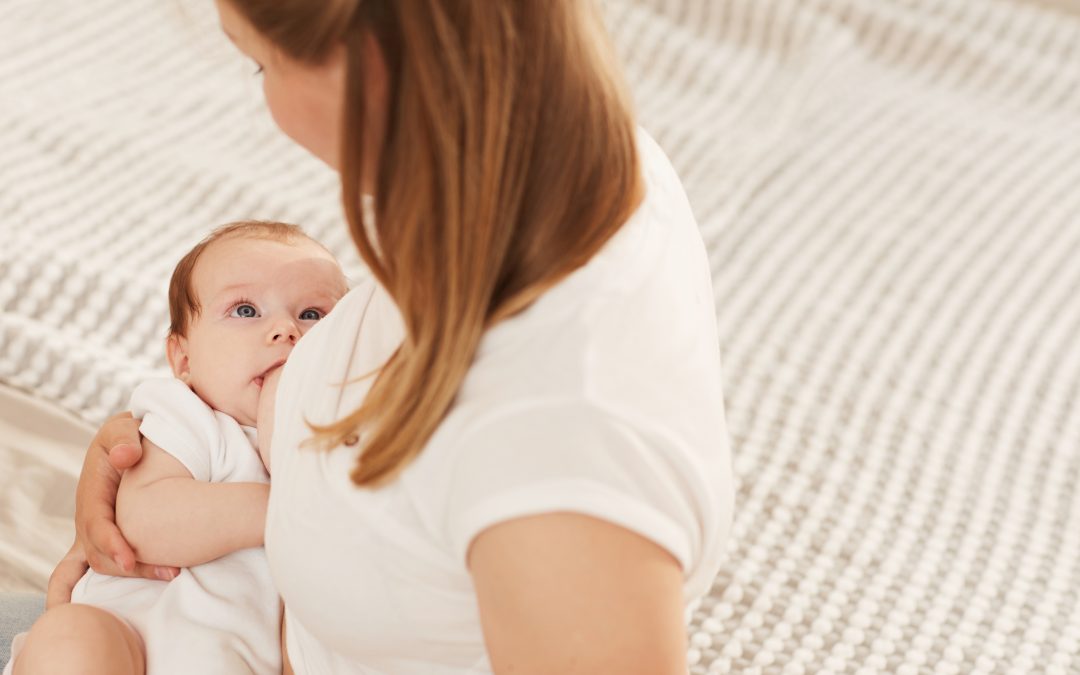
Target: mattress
890 194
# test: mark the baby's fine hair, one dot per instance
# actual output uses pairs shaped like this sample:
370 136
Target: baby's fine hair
183 302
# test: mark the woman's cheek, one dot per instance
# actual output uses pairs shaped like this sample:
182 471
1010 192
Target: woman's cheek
301 118
275 105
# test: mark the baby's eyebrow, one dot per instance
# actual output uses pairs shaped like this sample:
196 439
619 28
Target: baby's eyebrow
233 288
227 294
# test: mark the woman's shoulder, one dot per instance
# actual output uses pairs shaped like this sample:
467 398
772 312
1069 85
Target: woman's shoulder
639 317
625 348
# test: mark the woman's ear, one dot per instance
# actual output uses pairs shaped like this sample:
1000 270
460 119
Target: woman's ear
176 351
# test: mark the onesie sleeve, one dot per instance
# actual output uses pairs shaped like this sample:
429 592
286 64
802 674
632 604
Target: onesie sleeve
577 458
175 419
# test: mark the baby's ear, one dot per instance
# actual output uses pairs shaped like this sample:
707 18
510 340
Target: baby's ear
176 350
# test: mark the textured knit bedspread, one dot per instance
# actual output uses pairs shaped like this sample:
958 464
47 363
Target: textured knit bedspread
890 194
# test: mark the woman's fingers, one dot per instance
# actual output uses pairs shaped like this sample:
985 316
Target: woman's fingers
107 551
125 455
116 558
65 576
73 566
156 572
120 428
99 541
121 440
95 507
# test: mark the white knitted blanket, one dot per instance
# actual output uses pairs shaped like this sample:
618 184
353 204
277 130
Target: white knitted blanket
890 193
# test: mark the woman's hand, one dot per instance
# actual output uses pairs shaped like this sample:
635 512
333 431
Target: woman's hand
67 573
98 541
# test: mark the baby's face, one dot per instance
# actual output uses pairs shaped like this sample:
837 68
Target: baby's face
258 297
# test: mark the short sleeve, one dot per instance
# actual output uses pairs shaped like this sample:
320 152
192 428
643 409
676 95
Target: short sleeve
577 458
175 419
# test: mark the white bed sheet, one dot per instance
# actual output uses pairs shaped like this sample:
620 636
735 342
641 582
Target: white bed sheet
41 450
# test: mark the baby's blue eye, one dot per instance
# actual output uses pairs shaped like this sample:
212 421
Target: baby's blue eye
310 315
244 311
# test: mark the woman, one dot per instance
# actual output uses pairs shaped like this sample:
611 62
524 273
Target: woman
526 468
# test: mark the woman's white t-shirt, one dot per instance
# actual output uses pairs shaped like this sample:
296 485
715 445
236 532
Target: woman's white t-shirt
603 398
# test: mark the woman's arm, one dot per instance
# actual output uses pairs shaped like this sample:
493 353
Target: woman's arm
171 518
98 542
567 593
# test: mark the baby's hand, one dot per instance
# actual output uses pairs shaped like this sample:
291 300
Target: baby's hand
265 417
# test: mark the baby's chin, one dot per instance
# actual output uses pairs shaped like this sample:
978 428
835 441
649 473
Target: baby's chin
243 409
244 413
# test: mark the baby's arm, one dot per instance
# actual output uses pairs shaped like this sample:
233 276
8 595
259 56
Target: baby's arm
170 518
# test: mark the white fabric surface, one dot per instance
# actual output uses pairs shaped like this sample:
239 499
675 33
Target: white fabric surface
41 450
887 189
211 445
603 398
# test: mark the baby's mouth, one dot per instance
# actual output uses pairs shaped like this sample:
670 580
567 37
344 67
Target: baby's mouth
259 379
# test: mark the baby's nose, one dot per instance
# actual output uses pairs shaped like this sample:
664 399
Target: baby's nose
285 331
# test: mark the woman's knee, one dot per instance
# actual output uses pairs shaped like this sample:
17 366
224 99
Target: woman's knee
80 638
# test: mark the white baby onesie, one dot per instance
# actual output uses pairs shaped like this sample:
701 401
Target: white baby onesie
218 617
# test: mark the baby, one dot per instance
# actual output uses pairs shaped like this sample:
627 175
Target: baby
238 302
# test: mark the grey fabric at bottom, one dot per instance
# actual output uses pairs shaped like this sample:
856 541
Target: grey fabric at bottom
18 611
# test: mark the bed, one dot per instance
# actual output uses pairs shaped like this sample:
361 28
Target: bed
890 194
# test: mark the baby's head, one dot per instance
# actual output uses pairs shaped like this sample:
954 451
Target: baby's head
238 302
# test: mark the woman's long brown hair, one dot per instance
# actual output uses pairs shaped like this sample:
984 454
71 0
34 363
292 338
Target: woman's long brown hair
509 159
